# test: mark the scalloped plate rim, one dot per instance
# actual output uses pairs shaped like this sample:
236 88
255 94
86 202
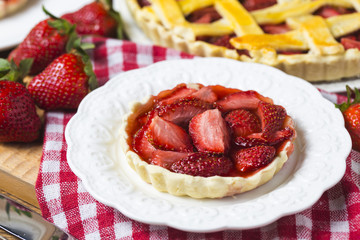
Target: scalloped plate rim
99 197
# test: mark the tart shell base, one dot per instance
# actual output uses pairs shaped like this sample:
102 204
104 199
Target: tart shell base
194 186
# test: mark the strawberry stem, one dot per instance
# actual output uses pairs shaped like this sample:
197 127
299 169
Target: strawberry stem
63 26
49 13
80 48
349 92
11 72
116 15
4 67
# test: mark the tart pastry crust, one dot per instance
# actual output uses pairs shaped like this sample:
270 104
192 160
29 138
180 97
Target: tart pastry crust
324 59
196 186
8 7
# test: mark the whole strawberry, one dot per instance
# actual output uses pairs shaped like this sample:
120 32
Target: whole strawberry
96 18
64 83
351 113
19 121
45 42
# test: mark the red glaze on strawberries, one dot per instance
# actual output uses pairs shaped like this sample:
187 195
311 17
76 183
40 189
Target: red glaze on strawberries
210 130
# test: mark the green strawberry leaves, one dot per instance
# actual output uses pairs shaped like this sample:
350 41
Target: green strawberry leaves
116 15
348 103
62 25
11 72
4 67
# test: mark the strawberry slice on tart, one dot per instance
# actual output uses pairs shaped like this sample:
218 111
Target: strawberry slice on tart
207 141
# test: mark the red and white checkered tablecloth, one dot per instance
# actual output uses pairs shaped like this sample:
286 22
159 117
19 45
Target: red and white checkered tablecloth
65 202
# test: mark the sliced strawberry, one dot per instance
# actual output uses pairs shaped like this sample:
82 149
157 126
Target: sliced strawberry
275 28
272 118
204 15
251 159
166 135
292 52
223 41
243 122
327 11
183 111
143 3
179 92
245 99
166 158
331 11
350 43
257 138
252 5
141 145
205 94
221 91
209 132
204 165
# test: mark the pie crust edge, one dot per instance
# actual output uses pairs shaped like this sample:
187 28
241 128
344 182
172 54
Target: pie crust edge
309 67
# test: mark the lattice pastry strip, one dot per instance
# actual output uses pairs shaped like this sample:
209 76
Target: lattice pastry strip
242 23
312 38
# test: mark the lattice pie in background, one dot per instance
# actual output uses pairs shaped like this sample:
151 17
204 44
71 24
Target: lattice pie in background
317 40
8 7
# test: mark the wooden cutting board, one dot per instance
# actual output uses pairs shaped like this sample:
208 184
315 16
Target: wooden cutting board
19 167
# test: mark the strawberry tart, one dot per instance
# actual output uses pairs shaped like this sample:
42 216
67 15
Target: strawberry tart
207 141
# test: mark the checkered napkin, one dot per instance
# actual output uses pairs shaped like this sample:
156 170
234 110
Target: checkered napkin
65 202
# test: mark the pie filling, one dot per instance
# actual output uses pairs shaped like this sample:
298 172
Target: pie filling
209 131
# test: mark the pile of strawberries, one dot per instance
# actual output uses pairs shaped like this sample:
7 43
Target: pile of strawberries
211 131
55 56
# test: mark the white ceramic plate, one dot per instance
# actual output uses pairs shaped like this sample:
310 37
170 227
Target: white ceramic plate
317 163
137 35
15 27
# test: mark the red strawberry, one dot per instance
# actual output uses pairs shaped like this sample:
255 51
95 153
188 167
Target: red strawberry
205 94
96 18
272 118
245 99
258 139
19 121
202 164
171 96
252 5
166 135
166 158
251 159
183 111
64 83
45 42
348 43
141 145
221 91
351 113
243 122
209 132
